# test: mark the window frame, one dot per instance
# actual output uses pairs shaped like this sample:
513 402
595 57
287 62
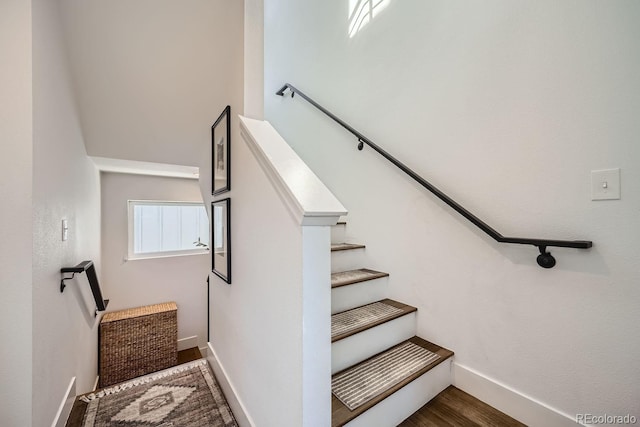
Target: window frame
131 255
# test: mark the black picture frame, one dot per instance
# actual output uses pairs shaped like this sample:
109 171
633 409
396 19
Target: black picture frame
221 239
221 153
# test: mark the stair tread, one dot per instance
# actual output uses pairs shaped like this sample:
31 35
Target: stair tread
349 277
345 246
355 320
374 368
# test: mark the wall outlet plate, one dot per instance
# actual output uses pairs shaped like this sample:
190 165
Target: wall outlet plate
605 184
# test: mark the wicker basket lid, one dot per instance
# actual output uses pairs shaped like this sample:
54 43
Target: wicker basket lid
139 311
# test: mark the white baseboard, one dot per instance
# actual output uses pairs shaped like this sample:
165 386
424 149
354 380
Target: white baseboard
238 409
64 410
513 403
188 342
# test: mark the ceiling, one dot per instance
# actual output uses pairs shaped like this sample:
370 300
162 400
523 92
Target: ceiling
151 76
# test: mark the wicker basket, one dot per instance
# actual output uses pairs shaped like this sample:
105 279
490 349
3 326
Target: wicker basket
137 341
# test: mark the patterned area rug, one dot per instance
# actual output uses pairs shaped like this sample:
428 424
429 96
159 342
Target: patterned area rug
186 395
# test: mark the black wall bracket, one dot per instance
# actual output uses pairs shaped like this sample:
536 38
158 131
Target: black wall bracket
545 259
62 284
88 268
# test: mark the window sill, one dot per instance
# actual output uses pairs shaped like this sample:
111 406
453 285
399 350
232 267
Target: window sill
156 256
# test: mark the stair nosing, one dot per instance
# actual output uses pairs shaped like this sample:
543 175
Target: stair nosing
375 275
406 309
336 405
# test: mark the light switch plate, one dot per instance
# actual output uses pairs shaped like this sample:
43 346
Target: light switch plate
605 184
65 230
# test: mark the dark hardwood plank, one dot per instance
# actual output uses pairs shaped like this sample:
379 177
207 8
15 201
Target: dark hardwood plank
77 414
189 355
455 408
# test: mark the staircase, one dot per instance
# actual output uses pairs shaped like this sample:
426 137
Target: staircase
381 371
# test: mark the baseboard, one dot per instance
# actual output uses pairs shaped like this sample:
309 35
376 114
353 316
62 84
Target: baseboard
238 409
64 410
513 403
188 342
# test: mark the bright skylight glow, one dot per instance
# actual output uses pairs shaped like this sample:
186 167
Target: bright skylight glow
361 12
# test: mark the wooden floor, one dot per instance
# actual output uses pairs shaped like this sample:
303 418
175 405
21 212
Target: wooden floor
455 408
189 355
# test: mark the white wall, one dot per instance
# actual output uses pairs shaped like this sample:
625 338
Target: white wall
141 282
65 186
16 136
506 106
152 75
256 322
254 59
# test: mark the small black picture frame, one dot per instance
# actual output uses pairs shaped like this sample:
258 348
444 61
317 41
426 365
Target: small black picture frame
221 153
221 239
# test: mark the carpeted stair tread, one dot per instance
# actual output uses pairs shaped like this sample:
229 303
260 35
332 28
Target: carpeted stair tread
335 247
349 277
359 319
364 385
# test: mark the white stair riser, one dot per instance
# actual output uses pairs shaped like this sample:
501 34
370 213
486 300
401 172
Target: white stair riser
357 294
401 404
348 260
356 348
339 233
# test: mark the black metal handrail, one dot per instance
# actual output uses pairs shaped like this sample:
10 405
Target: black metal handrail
545 259
92 277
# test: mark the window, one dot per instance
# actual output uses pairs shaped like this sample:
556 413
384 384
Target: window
167 229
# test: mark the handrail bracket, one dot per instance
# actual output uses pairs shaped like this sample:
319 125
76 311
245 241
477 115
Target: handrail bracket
62 284
545 259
